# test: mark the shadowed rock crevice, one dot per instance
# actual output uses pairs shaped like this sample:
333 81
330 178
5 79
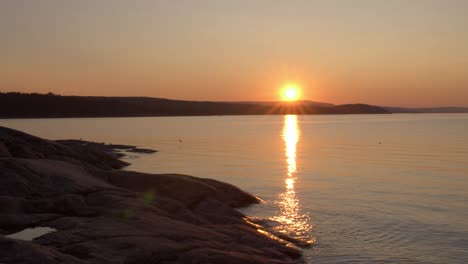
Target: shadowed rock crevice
104 215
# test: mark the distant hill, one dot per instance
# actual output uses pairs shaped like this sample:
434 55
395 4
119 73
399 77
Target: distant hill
427 110
19 105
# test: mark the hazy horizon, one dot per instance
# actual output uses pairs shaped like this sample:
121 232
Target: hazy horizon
387 53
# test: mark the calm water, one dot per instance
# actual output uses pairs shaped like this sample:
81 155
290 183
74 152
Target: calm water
367 188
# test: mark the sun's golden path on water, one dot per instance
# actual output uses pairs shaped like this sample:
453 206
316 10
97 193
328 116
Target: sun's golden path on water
291 137
293 221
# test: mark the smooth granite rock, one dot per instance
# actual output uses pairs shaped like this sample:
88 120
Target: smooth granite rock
105 215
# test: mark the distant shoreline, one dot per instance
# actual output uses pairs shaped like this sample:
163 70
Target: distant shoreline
18 105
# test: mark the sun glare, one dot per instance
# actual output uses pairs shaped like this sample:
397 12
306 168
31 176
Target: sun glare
290 92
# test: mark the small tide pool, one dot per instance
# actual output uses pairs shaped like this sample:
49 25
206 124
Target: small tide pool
29 234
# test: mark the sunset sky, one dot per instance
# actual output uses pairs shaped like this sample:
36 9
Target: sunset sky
384 52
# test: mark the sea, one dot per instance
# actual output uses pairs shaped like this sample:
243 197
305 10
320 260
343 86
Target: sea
361 188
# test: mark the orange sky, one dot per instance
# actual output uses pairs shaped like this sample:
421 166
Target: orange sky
395 53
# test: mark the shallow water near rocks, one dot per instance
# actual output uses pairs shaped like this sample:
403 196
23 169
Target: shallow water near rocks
367 188
29 234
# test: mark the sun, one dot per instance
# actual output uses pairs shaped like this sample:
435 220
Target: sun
290 92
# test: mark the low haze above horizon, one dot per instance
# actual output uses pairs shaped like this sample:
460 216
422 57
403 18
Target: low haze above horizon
390 53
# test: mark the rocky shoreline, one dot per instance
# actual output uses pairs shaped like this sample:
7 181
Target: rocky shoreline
102 214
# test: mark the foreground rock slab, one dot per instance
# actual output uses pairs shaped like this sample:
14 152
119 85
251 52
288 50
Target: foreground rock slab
106 215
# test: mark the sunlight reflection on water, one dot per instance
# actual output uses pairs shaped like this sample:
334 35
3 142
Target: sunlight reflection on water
293 221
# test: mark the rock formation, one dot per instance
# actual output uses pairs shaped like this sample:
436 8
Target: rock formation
106 215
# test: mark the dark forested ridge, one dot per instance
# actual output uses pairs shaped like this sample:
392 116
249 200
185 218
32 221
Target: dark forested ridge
427 110
20 105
